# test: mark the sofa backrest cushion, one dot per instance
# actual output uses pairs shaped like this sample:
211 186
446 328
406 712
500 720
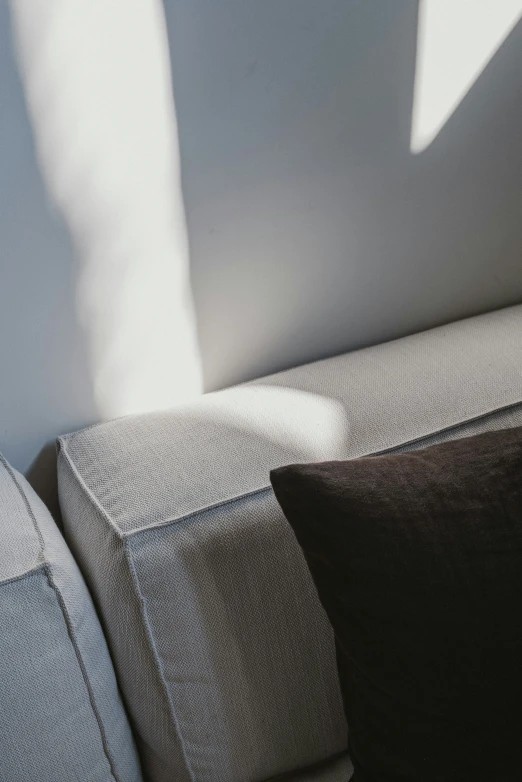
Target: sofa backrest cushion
61 715
223 651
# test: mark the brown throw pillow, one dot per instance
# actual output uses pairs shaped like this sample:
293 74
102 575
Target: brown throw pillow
417 559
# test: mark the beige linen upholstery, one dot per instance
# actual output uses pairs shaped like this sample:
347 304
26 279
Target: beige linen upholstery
222 650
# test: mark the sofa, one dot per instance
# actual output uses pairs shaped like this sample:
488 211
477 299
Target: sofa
174 634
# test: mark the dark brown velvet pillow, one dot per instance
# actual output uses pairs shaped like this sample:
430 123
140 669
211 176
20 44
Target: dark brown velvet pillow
417 559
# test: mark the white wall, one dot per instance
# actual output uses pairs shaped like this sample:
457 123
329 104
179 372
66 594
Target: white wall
45 386
104 150
312 226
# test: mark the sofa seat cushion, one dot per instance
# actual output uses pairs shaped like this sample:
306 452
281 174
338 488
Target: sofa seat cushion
223 651
61 716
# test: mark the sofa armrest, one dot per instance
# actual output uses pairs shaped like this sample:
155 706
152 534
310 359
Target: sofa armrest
222 649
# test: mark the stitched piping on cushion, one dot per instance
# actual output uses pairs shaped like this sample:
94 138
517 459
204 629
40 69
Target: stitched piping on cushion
62 451
489 314
505 409
155 653
28 508
68 623
70 632
205 509
28 573
268 487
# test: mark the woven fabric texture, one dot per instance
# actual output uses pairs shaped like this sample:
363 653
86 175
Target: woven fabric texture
220 446
334 770
222 649
61 716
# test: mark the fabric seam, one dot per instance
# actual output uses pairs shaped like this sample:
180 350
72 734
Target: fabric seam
62 451
27 574
155 654
267 488
490 313
26 502
85 676
65 613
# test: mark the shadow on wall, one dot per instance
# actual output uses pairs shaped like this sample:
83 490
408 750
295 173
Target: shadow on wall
45 385
314 229
118 335
455 43
100 100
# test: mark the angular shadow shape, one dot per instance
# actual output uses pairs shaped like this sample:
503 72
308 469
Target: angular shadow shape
313 229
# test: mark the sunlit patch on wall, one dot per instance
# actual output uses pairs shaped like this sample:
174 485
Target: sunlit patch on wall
456 40
97 81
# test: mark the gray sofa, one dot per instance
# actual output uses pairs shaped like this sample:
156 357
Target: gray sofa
223 655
